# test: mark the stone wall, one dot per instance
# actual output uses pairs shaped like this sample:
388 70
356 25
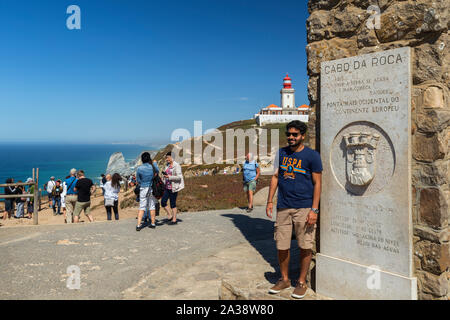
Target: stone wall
337 29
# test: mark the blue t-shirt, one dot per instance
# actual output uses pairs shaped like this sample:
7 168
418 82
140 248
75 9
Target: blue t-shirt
249 170
295 185
71 182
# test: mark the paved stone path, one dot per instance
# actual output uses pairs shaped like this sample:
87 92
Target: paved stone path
196 259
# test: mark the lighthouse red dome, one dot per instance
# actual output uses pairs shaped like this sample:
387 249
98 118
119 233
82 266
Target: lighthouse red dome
287 82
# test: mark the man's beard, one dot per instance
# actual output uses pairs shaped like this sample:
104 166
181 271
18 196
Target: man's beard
296 144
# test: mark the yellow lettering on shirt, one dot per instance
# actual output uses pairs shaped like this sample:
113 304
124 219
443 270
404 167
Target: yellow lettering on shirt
284 161
299 164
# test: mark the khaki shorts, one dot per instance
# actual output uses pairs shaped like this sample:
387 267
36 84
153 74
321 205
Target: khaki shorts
70 200
304 233
80 206
251 185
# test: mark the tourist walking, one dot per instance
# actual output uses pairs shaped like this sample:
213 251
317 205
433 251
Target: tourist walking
144 177
49 188
71 195
63 198
20 202
9 202
56 197
250 174
174 183
84 187
297 176
111 193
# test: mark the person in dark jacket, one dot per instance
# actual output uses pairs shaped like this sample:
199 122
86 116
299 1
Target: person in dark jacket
20 202
9 203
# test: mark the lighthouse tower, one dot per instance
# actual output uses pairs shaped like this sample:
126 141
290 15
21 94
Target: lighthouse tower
287 94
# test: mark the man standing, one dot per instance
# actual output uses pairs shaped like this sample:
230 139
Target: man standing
250 171
85 187
298 175
71 195
56 196
9 203
49 190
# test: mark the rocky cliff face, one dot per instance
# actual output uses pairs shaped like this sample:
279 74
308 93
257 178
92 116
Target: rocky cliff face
117 164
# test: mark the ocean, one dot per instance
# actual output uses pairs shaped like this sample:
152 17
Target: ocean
18 160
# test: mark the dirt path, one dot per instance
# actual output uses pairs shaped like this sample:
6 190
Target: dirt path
98 211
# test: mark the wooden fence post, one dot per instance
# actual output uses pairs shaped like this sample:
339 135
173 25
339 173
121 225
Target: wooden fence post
40 199
36 201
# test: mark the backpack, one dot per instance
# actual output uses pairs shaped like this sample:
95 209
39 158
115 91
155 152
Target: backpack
56 192
137 190
157 185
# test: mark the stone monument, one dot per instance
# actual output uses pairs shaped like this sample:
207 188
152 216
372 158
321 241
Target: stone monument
341 29
366 222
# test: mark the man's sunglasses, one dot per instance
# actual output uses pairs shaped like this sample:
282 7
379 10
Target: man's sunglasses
294 134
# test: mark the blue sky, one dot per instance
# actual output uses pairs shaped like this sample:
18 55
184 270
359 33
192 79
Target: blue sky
139 69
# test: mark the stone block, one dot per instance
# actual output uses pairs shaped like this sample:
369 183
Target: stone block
427 233
434 257
432 61
347 20
412 19
327 50
433 97
427 148
353 281
367 38
313 89
431 175
433 120
314 5
435 285
317 25
433 208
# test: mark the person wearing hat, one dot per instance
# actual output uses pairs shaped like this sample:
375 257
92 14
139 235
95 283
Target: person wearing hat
56 195
49 188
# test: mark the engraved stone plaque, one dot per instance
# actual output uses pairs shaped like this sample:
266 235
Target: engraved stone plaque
365 218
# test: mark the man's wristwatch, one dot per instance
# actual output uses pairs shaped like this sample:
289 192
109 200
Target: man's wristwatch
316 211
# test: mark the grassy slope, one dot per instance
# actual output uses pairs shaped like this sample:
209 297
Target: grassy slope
215 192
208 193
219 191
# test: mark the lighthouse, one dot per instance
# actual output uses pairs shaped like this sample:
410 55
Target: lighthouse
287 94
287 111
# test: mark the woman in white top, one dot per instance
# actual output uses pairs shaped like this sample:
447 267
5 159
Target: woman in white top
112 189
63 199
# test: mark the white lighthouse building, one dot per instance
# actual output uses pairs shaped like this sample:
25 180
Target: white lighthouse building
287 94
287 111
